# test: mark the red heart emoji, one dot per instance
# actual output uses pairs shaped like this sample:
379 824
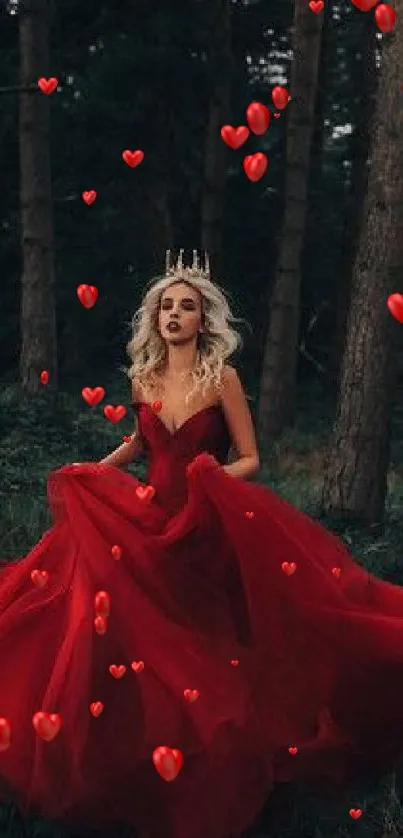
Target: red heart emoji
102 604
127 438
47 725
137 666
316 6
116 552
5 734
96 708
277 115
44 377
249 514
93 395
168 762
293 751
191 695
289 568
364 5
234 137
280 97
100 625
255 166
145 492
336 572
117 671
156 406
115 414
395 306
234 662
40 578
47 85
88 295
355 813
89 197
258 117
133 158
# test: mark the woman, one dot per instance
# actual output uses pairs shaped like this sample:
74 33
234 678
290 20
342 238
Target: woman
193 641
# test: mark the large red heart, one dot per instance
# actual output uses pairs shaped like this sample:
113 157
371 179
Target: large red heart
88 295
93 395
96 708
234 137
255 166
133 158
102 604
5 734
40 578
168 762
89 197
364 5
289 568
117 671
355 813
316 6
48 85
281 97
145 492
115 414
47 725
395 306
258 117
385 17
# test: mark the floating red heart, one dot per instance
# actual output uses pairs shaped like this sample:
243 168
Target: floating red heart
234 137
385 17
44 377
5 734
96 708
88 295
234 662
289 568
355 813
156 406
93 395
117 671
100 625
277 115
255 166
336 572
133 158
89 197
191 695
127 438
258 117
281 97
168 762
316 6
48 85
116 552
40 578
249 514
137 666
395 306
47 725
365 5
145 492
293 751
115 414
102 604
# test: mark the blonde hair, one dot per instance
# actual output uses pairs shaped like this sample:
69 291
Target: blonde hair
218 341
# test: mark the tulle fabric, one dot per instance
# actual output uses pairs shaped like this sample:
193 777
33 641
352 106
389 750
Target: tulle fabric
299 674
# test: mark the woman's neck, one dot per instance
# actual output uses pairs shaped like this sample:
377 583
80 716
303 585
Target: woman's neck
181 360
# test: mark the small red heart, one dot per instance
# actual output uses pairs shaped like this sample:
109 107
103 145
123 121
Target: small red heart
47 725
40 578
355 813
117 671
395 306
168 762
145 492
89 197
115 414
116 552
93 395
277 115
316 6
48 85
289 568
234 662
137 666
336 572
5 734
127 438
96 708
156 406
191 695
87 294
234 137
255 166
293 751
102 604
133 158
249 514
100 625
44 377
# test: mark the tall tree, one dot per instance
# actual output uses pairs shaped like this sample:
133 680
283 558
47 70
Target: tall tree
278 380
38 318
355 483
219 72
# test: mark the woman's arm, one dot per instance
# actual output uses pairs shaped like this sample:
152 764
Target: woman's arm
240 425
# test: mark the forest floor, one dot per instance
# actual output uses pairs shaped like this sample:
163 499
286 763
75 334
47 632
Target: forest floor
55 431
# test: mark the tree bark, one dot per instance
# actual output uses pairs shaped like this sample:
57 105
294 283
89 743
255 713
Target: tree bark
215 175
278 380
38 317
356 478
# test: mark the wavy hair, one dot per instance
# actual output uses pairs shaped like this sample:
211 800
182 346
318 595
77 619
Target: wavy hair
218 341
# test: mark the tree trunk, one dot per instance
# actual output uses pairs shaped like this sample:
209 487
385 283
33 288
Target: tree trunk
215 176
355 483
278 380
38 317
364 84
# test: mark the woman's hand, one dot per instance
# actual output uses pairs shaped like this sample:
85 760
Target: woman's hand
203 462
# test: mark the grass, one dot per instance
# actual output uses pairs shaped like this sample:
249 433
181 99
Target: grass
55 430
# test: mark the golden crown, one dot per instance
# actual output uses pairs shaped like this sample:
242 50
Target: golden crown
179 270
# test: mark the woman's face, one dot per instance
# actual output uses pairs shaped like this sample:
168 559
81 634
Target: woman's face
180 313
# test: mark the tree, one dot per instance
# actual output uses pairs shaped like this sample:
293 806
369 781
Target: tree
38 318
278 379
355 483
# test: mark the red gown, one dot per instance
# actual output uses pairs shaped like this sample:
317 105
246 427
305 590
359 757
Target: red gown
222 587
